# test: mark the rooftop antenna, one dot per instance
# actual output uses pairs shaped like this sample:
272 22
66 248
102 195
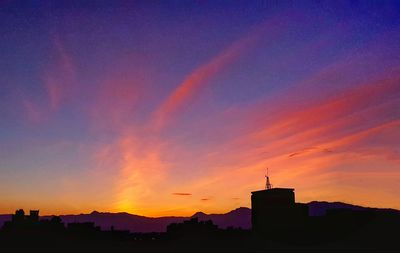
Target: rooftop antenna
268 185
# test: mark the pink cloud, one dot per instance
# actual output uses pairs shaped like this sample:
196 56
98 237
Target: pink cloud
309 147
199 78
32 111
114 103
60 77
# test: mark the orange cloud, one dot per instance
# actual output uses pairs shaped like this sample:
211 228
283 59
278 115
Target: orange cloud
140 173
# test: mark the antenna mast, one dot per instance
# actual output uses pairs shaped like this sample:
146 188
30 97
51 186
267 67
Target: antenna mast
268 185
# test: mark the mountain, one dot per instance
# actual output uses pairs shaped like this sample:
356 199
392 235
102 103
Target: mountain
4 218
240 217
319 208
124 221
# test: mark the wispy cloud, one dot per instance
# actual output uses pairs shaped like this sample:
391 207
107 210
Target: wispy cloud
114 103
310 147
141 172
199 78
33 112
307 150
182 193
59 77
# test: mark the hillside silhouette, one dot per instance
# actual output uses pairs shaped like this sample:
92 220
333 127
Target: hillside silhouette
319 208
275 219
238 218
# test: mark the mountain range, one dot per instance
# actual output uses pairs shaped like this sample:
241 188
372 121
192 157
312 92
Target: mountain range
238 218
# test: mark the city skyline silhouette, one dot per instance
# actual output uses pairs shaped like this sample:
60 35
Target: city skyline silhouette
275 218
157 109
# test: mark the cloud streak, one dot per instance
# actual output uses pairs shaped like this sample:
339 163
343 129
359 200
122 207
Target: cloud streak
182 194
33 113
60 77
200 77
312 147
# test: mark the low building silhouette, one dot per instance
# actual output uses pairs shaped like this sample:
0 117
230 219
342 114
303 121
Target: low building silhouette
192 227
19 218
31 227
33 216
83 227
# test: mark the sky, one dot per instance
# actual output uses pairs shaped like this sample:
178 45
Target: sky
163 108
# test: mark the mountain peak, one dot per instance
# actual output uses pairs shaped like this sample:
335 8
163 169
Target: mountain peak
199 214
240 210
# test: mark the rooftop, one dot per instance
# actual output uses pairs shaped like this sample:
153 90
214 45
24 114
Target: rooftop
274 190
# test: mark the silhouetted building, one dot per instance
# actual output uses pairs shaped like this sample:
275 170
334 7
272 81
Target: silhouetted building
275 208
20 218
33 216
192 227
83 227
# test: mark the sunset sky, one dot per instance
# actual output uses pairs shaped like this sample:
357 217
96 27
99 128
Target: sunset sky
172 107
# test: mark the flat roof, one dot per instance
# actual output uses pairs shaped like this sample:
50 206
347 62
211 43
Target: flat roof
275 190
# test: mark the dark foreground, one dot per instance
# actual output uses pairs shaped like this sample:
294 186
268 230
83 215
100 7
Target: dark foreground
372 233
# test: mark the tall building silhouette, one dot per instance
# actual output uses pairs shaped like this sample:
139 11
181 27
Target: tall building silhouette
275 208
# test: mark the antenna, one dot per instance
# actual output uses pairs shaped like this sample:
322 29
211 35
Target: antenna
268 185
